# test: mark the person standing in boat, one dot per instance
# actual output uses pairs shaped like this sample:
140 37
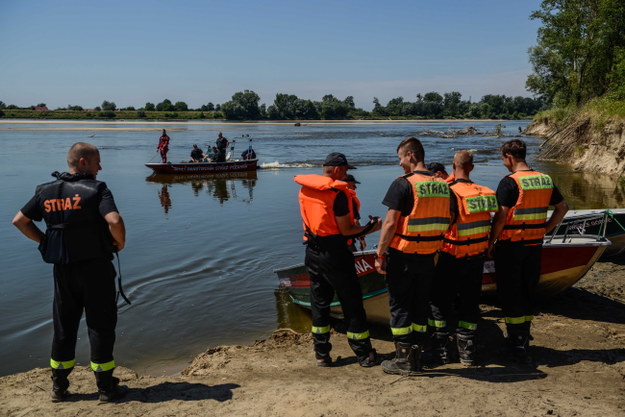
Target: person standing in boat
328 222
163 146
418 216
222 145
518 229
84 228
351 189
458 274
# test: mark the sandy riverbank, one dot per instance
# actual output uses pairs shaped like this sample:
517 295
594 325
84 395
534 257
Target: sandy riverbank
579 351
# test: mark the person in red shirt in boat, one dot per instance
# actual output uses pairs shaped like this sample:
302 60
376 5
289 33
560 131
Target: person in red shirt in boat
163 146
516 239
439 171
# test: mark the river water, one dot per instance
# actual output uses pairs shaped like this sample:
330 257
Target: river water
201 250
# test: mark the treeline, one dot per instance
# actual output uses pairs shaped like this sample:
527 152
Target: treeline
580 53
246 105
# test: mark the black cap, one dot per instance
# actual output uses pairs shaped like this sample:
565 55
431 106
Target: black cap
350 178
336 159
434 167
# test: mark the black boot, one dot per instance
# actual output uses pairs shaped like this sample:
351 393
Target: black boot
403 363
519 348
444 347
108 387
60 383
466 349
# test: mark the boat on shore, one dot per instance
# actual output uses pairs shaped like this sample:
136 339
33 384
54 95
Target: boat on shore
592 221
203 167
565 260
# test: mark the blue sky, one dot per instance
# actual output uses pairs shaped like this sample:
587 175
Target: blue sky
130 52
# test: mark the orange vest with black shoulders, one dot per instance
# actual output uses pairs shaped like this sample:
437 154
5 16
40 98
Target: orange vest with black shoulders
527 219
422 231
469 235
316 203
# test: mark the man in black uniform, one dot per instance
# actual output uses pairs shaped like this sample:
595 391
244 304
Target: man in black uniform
83 229
328 223
517 236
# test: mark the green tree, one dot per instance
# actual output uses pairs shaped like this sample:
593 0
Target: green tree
577 49
108 106
2 105
149 107
243 106
165 105
181 106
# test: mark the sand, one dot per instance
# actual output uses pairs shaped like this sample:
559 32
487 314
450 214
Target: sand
578 351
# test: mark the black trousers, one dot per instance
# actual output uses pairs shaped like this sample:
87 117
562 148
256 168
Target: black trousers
88 286
331 270
457 279
409 280
517 272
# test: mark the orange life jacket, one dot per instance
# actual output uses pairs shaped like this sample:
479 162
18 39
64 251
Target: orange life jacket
355 208
526 220
423 229
468 236
316 203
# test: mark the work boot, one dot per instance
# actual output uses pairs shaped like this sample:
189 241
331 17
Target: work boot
466 349
108 387
444 347
60 383
403 363
519 348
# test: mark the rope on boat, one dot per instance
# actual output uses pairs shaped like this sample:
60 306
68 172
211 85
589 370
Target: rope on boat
613 217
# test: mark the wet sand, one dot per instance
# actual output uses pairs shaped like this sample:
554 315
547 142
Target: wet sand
578 351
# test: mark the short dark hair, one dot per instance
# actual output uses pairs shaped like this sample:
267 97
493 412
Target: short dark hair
514 147
413 145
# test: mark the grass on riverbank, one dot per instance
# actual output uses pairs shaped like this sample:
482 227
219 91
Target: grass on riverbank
601 111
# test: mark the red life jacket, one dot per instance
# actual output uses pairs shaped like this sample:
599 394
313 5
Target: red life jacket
423 229
527 219
468 236
316 201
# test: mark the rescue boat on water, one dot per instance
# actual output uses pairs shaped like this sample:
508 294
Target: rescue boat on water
203 167
565 260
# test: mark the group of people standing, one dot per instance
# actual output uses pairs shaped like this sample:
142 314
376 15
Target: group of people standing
216 153
434 240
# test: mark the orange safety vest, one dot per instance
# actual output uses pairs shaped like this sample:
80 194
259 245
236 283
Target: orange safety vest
316 203
468 236
526 220
355 208
422 230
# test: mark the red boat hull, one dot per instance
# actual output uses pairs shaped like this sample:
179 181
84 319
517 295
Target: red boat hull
203 167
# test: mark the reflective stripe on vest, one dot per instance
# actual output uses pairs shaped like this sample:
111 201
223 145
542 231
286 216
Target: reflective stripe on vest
526 220
62 364
423 229
102 367
468 236
316 200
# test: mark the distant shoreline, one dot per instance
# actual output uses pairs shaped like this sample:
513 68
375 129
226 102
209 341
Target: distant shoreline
158 124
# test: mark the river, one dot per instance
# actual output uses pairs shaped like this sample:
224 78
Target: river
201 250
